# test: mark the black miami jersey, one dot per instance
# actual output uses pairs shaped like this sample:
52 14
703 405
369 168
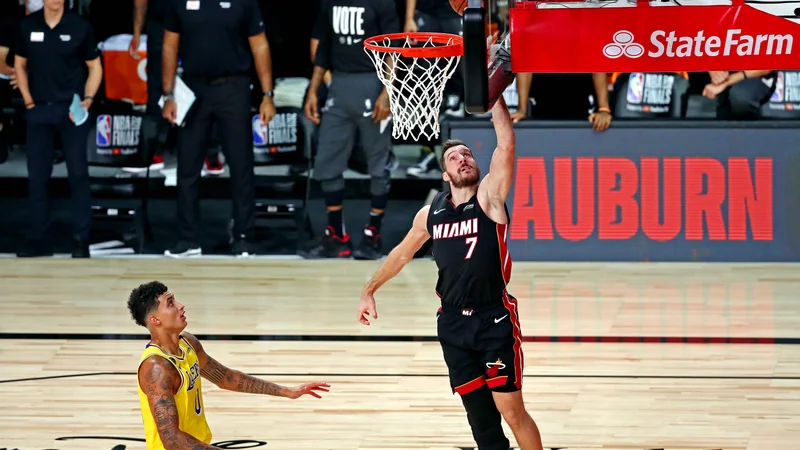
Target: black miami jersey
470 251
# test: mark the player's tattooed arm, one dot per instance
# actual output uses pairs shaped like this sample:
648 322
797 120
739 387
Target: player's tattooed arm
234 380
237 381
160 382
231 379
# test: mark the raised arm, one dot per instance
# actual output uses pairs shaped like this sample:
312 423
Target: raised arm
493 190
395 261
234 380
160 382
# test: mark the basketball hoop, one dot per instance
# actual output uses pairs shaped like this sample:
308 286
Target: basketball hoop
414 68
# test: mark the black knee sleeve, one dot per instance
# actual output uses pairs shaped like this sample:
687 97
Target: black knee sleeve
380 185
334 185
485 420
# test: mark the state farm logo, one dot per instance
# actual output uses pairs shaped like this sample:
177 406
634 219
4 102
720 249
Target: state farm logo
623 45
671 44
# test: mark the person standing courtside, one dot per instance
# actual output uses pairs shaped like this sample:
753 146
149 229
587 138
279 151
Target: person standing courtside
48 85
357 101
215 41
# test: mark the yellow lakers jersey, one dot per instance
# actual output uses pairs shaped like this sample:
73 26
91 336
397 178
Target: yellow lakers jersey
188 400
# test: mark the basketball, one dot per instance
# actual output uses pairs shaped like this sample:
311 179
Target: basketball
459 6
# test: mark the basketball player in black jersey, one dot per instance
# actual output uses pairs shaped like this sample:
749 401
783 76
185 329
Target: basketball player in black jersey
478 322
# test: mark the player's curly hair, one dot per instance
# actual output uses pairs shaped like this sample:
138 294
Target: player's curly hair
448 144
144 299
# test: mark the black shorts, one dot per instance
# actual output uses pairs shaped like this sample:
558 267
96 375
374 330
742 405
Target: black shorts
482 346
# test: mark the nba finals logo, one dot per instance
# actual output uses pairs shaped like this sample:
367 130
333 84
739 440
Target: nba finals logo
103 137
635 88
780 84
259 132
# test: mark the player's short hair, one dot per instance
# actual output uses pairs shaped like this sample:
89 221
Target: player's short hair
144 299
448 144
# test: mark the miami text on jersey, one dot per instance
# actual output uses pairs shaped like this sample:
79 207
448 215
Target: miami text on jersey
456 229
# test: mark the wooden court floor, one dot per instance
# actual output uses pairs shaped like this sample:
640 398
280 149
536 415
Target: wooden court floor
69 351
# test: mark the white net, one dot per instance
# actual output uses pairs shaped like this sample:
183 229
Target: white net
415 84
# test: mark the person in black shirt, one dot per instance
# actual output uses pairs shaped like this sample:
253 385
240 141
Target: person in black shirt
48 85
356 101
478 321
217 43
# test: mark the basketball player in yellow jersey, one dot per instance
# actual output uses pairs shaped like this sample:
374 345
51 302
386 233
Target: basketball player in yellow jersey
170 371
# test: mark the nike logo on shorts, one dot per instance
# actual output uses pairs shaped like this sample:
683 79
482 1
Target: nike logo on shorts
498 320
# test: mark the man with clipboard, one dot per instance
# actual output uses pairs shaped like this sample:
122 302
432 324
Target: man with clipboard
58 95
218 43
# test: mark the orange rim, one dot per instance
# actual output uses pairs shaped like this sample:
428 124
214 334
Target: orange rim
451 45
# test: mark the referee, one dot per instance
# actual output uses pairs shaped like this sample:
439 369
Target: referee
48 85
357 102
217 43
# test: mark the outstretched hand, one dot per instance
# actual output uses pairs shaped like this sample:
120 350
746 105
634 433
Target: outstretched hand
367 308
310 389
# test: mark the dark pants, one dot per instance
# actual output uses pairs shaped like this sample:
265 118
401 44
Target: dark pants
226 102
743 100
44 122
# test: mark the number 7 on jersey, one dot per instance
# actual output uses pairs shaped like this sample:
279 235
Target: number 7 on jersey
471 241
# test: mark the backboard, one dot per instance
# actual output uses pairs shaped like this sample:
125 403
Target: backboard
487 60
587 36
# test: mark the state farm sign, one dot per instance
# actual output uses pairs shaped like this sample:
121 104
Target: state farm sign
671 45
649 39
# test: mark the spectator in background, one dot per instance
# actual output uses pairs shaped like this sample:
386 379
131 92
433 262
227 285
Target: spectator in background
47 85
357 100
436 16
565 96
218 43
741 94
